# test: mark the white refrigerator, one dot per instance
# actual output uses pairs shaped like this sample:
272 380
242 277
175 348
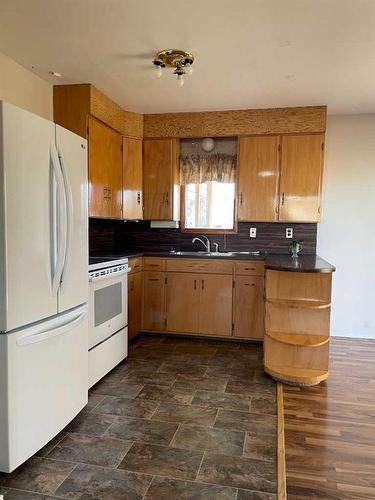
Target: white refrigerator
43 281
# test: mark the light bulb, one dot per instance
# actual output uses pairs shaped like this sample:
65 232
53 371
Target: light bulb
189 69
159 71
180 79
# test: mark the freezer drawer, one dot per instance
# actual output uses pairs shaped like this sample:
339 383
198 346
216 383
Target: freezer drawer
43 383
107 355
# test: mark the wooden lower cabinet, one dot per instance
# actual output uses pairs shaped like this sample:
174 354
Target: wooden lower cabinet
134 304
154 288
215 308
199 303
248 307
183 292
200 300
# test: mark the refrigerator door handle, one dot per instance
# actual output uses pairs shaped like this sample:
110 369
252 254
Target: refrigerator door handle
47 330
60 221
69 212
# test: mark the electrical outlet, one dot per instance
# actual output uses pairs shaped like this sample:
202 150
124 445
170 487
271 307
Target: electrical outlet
289 232
253 232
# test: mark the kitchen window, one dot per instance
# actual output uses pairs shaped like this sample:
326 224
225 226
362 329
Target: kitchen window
208 180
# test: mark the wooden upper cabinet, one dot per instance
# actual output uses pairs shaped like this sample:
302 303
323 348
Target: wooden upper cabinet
105 170
258 178
132 197
301 177
161 179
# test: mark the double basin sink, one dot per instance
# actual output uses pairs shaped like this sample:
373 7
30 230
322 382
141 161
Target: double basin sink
214 254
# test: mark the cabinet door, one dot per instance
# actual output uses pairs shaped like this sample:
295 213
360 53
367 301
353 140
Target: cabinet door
154 300
249 307
134 304
215 312
105 171
159 178
300 181
258 178
183 290
132 178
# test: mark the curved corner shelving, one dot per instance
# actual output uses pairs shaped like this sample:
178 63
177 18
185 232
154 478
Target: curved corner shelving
300 303
299 339
297 376
296 342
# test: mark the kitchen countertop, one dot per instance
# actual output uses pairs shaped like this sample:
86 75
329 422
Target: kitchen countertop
303 264
278 262
203 256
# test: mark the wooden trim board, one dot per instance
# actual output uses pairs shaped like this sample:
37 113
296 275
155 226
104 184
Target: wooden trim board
103 108
73 103
309 119
281 471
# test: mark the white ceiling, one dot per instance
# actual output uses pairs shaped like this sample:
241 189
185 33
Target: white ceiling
249 53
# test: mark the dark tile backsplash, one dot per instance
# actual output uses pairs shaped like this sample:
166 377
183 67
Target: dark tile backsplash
106 235
101 235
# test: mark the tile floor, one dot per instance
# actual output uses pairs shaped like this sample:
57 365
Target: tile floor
180 418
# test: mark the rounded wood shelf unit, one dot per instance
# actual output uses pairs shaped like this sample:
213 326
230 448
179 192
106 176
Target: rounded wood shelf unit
300 303
297 376
299 339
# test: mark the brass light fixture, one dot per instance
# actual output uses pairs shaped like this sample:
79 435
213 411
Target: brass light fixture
180 60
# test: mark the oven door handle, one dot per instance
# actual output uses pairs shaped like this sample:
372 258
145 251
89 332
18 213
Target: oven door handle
94 279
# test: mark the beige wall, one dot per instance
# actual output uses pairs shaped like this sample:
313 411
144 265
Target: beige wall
24 89
346 235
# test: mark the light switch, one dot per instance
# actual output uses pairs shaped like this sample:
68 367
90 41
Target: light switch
289 232
253 232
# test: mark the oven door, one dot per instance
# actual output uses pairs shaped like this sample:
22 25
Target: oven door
108 306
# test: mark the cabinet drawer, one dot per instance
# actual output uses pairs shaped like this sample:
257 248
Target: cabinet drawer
200 266
135 264
249 268
153 264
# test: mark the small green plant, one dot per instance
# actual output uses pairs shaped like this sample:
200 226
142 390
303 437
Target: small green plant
296 247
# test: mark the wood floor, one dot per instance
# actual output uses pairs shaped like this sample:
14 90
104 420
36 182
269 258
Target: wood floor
330 429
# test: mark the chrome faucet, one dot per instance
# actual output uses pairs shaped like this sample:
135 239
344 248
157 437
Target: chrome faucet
206 245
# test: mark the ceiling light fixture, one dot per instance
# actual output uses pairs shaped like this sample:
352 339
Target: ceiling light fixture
55 73
180 60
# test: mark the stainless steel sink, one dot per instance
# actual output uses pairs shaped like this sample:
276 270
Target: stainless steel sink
255 252
212 254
